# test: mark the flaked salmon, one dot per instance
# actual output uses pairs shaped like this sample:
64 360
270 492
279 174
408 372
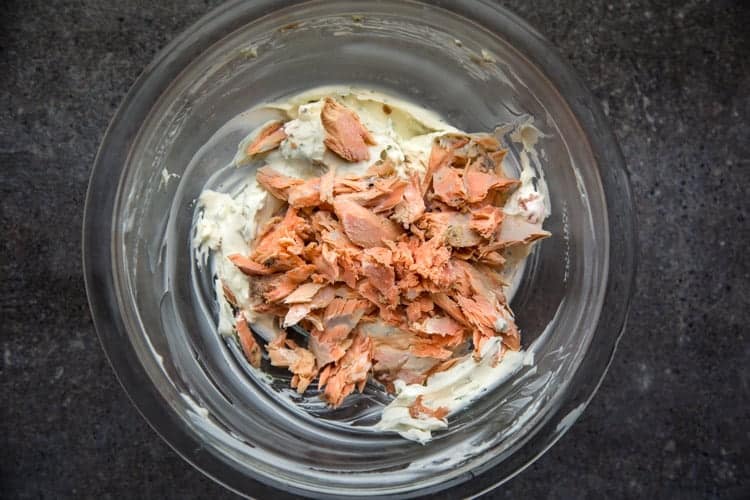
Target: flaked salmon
439 325
350 372
303 293
276 183
448 186
364 227
298 312
287 283
480 178
394 275
345 134
247 341
411 206
267 139
486 220
439 157
286 353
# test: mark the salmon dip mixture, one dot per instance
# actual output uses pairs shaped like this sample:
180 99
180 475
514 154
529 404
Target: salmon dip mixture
374 243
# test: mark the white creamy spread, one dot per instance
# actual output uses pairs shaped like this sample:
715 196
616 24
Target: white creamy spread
530 200
404 134
452 389
305 134
225 226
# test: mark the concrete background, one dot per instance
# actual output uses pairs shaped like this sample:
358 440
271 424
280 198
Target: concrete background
671 419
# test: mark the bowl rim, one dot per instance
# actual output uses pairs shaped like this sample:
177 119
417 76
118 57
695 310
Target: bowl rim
98 258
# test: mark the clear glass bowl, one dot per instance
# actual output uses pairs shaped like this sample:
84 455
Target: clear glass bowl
477 65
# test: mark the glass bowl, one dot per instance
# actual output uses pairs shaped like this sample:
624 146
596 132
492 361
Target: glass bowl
471 61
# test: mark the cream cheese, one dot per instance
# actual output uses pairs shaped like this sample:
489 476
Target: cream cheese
531 199
305 135
452 389
404 134
224 227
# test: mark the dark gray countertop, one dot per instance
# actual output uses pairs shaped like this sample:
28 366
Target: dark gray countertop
672 417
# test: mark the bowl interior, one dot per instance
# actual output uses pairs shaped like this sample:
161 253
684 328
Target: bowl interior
438 59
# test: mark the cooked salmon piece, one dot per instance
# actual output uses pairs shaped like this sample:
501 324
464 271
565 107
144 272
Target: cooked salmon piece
425 349
306 194
280 247
391 191
439 157
450 307
479 284
512 337
391 355
327 183
327 350
439 325
402 253
390 275
267 139
497 158
288 283
300 311
378 269
228 295
286 353
416 309
351 183
431 262
363 227
445 365
341 316
390 312
284 286
381 168
345 134
295 314
478 310
300 274
303 293
350 372
488 142
387 362
483 316
383 195
486 220
448 186
454 228
350 270
411 206
456 275
276 183
331 232
419 410
368 291
455 141
249 266
324 259
479 179
414 370
492 258
492 278
249 345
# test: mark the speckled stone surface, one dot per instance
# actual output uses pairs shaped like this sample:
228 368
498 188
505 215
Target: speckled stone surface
672 419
